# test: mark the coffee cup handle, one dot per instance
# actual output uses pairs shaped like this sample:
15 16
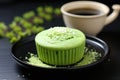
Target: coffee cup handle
114 14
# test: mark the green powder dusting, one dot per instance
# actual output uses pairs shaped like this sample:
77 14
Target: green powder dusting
90 56
61 34
33 60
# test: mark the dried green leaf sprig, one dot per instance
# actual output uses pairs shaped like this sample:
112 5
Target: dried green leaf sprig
48 12
29 23
3 29
22 28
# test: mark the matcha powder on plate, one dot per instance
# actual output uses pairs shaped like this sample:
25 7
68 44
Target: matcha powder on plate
90 56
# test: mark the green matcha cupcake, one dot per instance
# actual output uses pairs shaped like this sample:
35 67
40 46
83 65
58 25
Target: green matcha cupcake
60 46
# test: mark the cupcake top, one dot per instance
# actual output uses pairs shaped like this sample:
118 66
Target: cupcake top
60 38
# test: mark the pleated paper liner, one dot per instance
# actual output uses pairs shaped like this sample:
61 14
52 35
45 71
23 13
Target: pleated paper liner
60 57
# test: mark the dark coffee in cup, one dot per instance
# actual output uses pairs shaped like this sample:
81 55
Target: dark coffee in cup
88 16
85 11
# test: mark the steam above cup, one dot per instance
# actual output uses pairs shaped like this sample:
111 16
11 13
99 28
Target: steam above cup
88 16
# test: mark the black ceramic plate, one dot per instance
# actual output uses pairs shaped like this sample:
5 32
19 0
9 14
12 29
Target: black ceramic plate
22 47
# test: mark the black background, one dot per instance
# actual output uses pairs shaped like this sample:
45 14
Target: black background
9 70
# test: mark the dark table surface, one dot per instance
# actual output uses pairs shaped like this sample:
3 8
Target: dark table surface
9 70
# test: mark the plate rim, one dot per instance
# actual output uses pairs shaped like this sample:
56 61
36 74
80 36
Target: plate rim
88 37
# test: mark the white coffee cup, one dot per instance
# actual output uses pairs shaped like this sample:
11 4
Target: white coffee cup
89 24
